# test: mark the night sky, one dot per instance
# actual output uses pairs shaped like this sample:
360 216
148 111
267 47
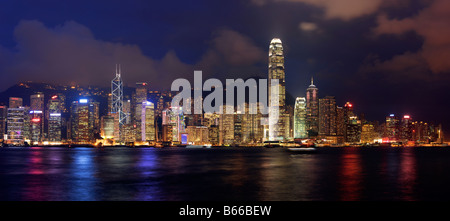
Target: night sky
384 56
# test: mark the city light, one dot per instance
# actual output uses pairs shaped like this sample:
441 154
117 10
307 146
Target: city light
320 120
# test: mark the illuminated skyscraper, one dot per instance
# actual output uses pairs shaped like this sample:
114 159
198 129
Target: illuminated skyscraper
15 128
107 127
354 130
238 125
340 122
352 124
312 110
327 116
277 127
368 134
37 117
173 124
251 127
3 114
82 122
406 128
139 97
300 118
116 104
54 118
127 111
36 125
226 126
197 135
392 128
148 121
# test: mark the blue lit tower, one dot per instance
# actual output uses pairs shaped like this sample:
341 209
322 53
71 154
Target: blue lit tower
117 103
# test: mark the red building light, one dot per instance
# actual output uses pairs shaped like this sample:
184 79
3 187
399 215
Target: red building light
36 120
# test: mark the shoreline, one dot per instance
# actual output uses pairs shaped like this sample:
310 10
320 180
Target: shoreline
223 147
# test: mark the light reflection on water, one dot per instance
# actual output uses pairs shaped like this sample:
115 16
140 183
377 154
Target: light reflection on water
351 174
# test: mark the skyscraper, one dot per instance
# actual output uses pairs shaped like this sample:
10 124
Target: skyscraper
368 134
54 118
352 124
172 123
252 129
406 128
15 129
37 117
327 116
36 125
107 127
340 122
116 104
140 97
312 110
277 127
226 126
148 121
3 114
300 118
392 128
82 121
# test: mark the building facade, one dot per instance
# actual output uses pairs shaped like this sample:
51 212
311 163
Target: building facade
277 124
312 110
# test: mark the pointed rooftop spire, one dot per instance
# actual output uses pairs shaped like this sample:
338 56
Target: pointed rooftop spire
312 83
118 72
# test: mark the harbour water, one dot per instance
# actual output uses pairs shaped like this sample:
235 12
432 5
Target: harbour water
224 174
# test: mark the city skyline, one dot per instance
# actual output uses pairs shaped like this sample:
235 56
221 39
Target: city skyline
383 56
86 121
225 108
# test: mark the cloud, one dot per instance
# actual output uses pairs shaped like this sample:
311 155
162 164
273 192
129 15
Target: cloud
71 50
229 48
432 24
307 26
46 54
340 9
407 66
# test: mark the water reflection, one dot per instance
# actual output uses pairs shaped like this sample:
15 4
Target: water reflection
82 178
305 174
223 174
289 177
350 177
147 165
33 183
408 175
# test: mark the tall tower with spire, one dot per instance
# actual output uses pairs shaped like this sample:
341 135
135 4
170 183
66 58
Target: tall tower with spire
117 104
277 131
312 109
